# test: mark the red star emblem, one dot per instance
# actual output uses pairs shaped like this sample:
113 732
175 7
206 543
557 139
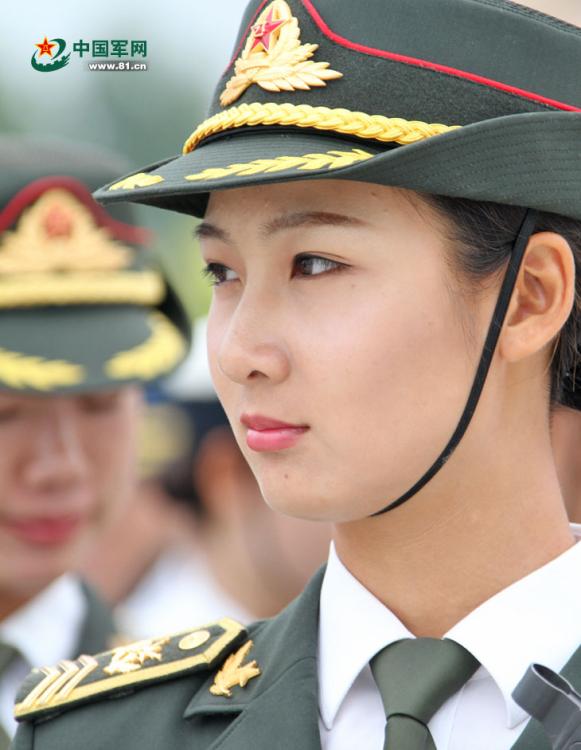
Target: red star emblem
45 47
57 223
262 32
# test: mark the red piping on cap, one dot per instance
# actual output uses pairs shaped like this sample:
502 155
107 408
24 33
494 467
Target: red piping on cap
33 191
430 65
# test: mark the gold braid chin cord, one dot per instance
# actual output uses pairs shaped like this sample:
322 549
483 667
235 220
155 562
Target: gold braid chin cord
341 121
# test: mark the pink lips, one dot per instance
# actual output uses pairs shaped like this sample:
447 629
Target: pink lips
45 531
265 434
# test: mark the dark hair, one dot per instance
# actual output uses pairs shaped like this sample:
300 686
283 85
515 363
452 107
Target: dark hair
482 236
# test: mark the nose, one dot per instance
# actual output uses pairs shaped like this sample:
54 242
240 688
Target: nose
57 458
251 347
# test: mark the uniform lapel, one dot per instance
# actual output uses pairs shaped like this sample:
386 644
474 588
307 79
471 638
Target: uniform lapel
98 629
533 737
280 707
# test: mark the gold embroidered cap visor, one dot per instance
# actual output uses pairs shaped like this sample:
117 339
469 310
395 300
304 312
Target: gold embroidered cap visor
85 348
497 161
438 96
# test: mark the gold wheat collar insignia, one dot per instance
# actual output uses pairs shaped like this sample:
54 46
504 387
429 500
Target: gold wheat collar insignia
234 673
275 59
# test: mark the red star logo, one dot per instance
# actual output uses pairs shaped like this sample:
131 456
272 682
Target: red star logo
262 32
57 223
45 47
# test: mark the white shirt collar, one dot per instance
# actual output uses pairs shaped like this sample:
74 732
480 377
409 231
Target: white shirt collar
506 633
48 627
536 619
353 627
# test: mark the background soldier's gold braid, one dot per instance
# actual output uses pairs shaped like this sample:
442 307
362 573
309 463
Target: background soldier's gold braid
360 124
24 371
125 287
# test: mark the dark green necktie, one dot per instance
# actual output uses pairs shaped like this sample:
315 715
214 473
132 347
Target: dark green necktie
7 656
416 677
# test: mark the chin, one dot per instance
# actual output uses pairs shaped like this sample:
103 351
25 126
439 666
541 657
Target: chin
304 502
337 499
41 565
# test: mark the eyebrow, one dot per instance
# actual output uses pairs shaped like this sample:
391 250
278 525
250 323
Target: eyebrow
282 223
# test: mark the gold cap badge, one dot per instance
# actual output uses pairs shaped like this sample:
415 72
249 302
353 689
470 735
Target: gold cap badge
58 233
274 57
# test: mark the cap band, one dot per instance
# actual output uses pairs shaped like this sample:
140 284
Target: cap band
38 290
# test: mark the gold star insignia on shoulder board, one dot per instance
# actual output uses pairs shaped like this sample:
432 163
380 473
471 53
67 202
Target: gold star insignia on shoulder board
132 657
234 673
126 668
275 59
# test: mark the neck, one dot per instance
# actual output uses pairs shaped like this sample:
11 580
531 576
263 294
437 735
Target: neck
230 558
464 538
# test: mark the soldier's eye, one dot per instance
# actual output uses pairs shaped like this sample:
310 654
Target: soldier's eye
100 403
9 414
219 273
314 265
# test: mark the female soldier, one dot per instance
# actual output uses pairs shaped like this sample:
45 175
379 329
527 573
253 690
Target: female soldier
391 208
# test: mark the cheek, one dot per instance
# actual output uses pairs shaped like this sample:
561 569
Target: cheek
382 391
10 456
388 346
112 451
15 444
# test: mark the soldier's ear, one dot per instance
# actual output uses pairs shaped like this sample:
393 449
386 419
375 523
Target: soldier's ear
542 299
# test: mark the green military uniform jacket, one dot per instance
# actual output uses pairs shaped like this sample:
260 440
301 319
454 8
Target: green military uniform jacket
277 708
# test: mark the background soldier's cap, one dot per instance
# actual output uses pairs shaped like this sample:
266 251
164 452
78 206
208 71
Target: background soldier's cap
471 98
82 306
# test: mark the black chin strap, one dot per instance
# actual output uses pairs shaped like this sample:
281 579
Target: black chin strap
518 250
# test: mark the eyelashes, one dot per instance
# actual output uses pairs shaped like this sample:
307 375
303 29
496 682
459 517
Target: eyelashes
314 265
218 273
305 265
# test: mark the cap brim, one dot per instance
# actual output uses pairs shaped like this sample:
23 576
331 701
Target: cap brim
86 348
529 159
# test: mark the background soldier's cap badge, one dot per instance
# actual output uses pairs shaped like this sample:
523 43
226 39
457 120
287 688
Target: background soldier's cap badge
274 57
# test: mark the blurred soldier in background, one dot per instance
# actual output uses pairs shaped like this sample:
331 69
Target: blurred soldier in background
84 319
218 548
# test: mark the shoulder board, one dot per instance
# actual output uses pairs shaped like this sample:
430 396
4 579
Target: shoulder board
125 669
